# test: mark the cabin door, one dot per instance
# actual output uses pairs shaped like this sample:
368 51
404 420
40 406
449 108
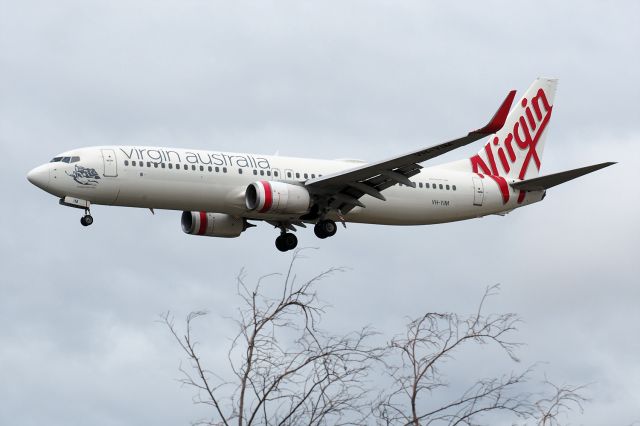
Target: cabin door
110 164
478 191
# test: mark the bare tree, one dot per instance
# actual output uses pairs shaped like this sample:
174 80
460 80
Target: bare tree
287 371
430 341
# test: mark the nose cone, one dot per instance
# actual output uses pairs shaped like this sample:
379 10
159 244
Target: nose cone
39 176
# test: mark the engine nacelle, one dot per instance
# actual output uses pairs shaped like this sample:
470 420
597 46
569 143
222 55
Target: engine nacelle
212 224
277 197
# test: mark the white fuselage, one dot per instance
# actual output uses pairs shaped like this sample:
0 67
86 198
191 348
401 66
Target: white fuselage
212 181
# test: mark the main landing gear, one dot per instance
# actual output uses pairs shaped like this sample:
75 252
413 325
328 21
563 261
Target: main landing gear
325 228
286 241
87 219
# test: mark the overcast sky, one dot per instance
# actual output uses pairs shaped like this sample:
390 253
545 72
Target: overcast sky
79 341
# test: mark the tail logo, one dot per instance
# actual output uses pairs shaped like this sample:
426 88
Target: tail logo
526 133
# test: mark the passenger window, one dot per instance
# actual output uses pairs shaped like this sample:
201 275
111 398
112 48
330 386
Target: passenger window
255 172
163 165
288 174
297 175
193 167
420 184
155 165
447 187
275 173
268 172
148 163
126 162
210 168
239 171
306 176
261 172
224 170
313 176
186 167
202 168
170 166
440 186
453 187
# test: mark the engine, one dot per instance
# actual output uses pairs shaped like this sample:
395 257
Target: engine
277 197
212 224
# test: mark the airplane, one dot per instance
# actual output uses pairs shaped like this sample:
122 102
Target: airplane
219 193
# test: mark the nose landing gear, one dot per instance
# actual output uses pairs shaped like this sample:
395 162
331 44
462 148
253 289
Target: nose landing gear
325 228
286 241
78 203
87 219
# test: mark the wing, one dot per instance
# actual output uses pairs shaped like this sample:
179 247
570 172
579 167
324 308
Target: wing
341 191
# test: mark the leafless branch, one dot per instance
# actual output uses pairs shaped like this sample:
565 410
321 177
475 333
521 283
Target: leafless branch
286 370
433 339
562 399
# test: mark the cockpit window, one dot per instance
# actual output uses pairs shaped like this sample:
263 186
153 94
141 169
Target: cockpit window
65 159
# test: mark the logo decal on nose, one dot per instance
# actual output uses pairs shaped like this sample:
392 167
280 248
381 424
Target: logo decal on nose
85 176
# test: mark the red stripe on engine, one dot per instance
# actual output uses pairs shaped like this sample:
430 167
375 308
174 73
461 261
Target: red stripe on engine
203 223
268 196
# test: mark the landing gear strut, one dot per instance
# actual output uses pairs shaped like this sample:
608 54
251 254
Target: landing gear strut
286 241
87 219
325 228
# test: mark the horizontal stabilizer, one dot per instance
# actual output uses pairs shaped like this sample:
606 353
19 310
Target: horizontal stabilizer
548 181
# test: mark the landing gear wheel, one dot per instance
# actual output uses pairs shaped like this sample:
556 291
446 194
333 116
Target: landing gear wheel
286 242
291 241
280 243
86 220
325 228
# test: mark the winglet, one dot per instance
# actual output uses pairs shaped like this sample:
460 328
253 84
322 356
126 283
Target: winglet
500 116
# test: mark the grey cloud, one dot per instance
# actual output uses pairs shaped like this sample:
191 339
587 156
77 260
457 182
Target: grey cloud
79 342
